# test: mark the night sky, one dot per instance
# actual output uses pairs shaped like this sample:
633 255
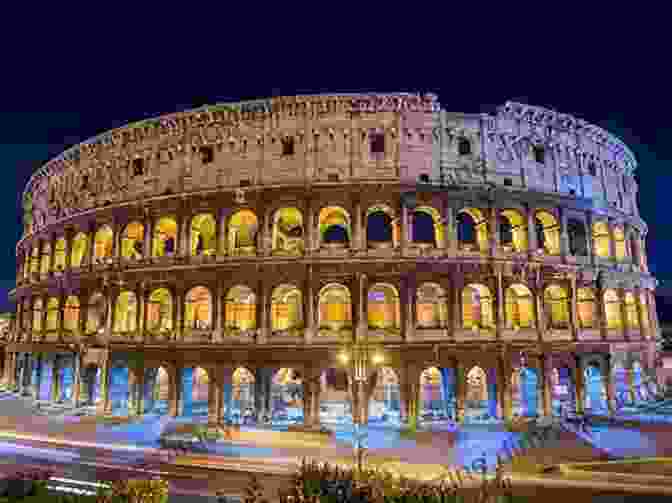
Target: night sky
70 76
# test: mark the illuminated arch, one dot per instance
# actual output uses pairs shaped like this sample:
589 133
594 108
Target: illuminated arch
576 231
472 229
631 315
96 313
383 307
243 388
286 308
203 235
45 258
71 313
59 254
132 241
198 308
288 231
125 312
335 307
382 227
80 246
586 308
477 307
242 231
513 230
601 240
52 313
548 232
164 241
432 308
519 307
240 309
556 304
37 315
334 224
425 220
160 311
477 386
620 244
612 308
103 242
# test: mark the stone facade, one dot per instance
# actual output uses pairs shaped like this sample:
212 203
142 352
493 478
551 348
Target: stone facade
447 239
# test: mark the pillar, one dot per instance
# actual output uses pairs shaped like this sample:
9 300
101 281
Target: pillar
148 233
360 231
612 241
450 236
494 231
405 229
215 392
56 381
504 388
579 385
140 293
311 227
104 404
500 303
221 233
531 232
218 309
460 391
262 313
630 383
362 306
227 398
309 306
91 245
590 245
574 308
77 379
408 307
564 233
609 384
175 390
544 384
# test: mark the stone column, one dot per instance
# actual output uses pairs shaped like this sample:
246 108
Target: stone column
504 374
92 245
52 257
545 390
574 308
360 231
493 226
642 316
183 224
148 234
218 312
140 293
77 379
83 314
111 296
609 384
612 240
227 398
221 234
404 230
564 233
262 313
500 301
531 232
311 227
630 382
362 307
68 234
409 295
460 392
215 392
178 309
450 236
175 390
309 306
56 381
624 314
579 385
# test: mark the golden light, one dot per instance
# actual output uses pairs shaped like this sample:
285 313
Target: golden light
344 357
377 358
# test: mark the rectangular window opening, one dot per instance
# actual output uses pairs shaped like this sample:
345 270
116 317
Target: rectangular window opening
288 146
207 155
508 182
377 143
137 167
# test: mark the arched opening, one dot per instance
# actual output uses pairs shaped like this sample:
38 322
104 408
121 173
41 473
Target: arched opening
586 308
198 309
242 232
432 306
242 407
472 230
125 313
578 242
384 405
512 231
90 385
104 242
601 240
157 391
71 314
119 390
383 307
382 228
65 380
519 307
620 244
286 309
80 244
612 310
195 381
562 389
335 227
96 313
59 255
46 377
437 394
132 241
335 397
240 309
640 390
426 228
524 392
335 308
556 304
596 395
631 315
477 309
203 235
287 397
160 311
164 243
37 315
548 233
52 314
621 387
477 404
288 231
45 259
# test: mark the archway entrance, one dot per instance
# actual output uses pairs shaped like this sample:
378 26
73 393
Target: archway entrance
562 391
384 404
287 397
524 390
65 380
596 396
119 390
156 391
480 397
641 391
46 379
194 392
621 387
90 385
335 397
436 394
242 399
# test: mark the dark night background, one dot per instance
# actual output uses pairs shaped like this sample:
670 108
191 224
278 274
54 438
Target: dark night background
68 76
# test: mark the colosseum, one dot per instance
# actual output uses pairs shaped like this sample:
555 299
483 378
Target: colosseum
326 258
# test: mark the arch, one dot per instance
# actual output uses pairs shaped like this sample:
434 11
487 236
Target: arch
119 393
562 390
556 303
382 227
578 242
203 235
96 313
65 376
621 388
631 315
242 231
548 232
612 309
335 307
243 393
477 307
596 395
586 308
164 240
427 226
472 229
160 311
524 391
240 309
132 240
80 245
335 227
45 258
52 313
125 312
37 315
286 308
620 245
198 308
519 307
103 242
71 313
287 396
601 240
640 390
384 405
335 396
383 307
513 230
476 394
59 254
195 382
157 391
432 306
288 231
